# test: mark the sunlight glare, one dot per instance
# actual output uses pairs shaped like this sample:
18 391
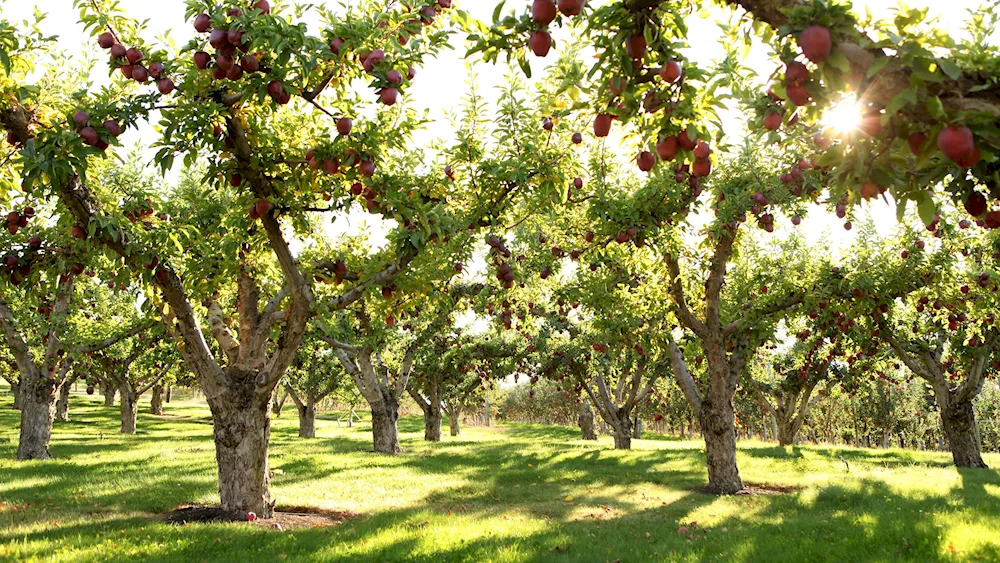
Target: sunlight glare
845 116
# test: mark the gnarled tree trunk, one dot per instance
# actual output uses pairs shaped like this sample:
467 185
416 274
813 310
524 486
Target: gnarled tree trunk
454 419
385 414
130 407
586 421
787 430
109 394
156 401
718 423
278 403
62 403
432 421
959 422
623 437
242 429
307 419
37 413
15 390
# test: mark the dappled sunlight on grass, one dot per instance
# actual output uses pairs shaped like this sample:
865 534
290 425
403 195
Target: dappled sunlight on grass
492 494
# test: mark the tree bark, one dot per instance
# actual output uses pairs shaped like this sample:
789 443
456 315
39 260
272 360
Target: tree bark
637 429
719 427
307 419
586 421
129 407
156 401
787 430
37 413
454 418
62 403
278 403
170 392
385 433
432 421
242 429
109 394
959 422
15 390
623 437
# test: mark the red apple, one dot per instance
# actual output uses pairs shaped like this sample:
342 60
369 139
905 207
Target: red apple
202 59
577 138
263 207
602 125
112 127
667 148
916 141
671 71
646 161
687 143
635 47
543 11
106 40
815 43
89 135
571 7
540 42
165 86
798 95
133 55
344 125
394 76
975 204
202 23
772 121
263 6
389 95
702 151
956 142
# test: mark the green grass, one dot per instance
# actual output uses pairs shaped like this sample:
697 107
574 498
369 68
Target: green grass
521 493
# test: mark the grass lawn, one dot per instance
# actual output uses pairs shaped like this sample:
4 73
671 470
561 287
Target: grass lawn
519 493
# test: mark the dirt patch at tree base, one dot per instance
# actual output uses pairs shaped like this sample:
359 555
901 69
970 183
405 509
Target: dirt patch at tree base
285 517
756 489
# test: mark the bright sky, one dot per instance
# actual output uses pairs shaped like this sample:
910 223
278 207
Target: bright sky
441 84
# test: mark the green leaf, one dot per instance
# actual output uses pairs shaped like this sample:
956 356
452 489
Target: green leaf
838 61
498 9
949 68
925 207
936 108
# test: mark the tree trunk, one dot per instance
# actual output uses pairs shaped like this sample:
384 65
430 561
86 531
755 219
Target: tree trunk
432 422
719 427
242 429
385 413
350 418
586 421
15 390
130 406
156 401
637 429
109 394
62 403
307 420
959 422
786 432
170 392
623 437
37 413
278 403
454 417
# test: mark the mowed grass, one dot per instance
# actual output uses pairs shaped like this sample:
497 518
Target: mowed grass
515 493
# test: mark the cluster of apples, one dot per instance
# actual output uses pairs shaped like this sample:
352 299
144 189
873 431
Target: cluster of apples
19 219
543 12
500 253
230 44
131 66
91 134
